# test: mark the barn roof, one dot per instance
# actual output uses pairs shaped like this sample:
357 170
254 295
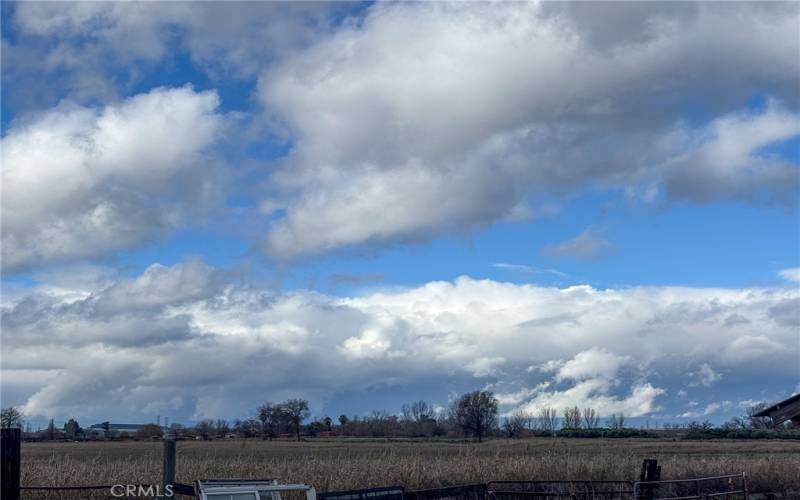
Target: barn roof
782 405
118 426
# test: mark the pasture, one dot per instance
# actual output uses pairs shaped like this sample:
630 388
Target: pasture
340 464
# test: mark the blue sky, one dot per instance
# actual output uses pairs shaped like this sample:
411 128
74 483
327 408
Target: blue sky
409 189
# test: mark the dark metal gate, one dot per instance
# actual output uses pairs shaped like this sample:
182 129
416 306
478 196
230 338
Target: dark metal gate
732 486
580 490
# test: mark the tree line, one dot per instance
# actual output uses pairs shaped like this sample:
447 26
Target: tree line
473 415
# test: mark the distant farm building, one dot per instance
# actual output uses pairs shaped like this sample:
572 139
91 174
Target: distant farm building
115 430
788 409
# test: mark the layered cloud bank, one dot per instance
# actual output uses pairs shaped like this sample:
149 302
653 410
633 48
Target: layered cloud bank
188 341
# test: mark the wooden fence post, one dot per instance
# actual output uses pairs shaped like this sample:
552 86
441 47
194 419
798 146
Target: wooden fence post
651 471
168 469
10 440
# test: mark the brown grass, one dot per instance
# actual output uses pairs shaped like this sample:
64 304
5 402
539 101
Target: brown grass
338 464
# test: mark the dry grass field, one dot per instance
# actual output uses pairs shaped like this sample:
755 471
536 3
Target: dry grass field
338 464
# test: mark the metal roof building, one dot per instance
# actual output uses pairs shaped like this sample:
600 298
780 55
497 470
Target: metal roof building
788 409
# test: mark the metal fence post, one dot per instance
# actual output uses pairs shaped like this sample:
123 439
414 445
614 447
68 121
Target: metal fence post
168 469
10 442
744 486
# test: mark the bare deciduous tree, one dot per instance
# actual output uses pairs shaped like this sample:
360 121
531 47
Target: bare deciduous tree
247 428
516 424
758 422
222 427
476 413
418 418
12 417
205 428
572 418
525 419
616 421
418 411
271 417
591 419
548 419
296 411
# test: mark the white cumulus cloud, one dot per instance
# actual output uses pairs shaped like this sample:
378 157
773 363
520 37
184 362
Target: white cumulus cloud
791 274
430 118
80 181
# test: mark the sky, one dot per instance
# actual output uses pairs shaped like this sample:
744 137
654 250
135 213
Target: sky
207 205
